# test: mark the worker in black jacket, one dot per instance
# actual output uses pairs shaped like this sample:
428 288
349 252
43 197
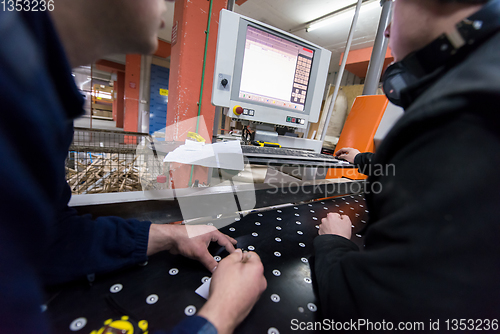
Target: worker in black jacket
432 254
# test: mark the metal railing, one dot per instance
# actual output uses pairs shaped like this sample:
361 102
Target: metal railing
106 161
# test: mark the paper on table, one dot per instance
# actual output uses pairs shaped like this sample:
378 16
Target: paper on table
204 289
226 155
191 145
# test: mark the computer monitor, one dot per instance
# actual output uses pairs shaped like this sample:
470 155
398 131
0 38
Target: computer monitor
266 75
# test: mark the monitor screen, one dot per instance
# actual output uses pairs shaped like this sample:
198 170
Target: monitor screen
266 75
275 71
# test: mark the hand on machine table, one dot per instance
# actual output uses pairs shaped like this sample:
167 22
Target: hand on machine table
188 240
347 153
236 286
336 224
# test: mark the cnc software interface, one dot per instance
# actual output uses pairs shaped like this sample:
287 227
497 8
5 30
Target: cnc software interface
275 71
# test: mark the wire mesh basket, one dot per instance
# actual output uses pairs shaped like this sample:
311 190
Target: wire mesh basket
106 161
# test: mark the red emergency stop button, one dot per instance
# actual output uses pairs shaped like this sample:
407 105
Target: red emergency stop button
237 110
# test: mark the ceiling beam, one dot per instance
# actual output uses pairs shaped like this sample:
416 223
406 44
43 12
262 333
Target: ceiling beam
164 49
109 66
358 60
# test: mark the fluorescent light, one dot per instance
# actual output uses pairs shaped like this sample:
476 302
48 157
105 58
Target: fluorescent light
103 95
335 17
322 24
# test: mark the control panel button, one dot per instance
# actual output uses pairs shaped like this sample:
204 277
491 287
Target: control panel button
238 110
295 120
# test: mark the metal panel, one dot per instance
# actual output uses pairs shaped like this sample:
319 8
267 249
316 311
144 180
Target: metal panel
158 102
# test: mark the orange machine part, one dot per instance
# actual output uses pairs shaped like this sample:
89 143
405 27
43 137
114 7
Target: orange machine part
359 130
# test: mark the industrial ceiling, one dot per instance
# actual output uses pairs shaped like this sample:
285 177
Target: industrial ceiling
292 15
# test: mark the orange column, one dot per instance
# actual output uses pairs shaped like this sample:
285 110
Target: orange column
132 90
186 70
115 101
120 99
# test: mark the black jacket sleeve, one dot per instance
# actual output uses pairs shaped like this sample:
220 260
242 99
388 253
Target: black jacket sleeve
364 162
81 245
431 248
331 252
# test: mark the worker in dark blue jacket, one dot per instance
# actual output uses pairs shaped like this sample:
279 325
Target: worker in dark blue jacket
42 240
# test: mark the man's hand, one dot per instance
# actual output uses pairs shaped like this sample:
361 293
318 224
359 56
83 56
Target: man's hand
334 223
188 240
347 154
236 286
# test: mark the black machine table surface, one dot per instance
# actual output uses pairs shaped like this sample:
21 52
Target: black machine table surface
163 291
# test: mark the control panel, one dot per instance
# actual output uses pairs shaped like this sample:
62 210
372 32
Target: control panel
240 112
295 120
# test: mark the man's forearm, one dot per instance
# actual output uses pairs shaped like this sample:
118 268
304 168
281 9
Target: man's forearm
218 316
159 238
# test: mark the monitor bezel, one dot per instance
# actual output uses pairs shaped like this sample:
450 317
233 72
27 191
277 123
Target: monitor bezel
231 25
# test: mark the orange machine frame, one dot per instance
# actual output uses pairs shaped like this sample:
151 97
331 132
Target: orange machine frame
359 130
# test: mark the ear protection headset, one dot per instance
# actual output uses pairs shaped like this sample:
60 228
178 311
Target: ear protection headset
416 65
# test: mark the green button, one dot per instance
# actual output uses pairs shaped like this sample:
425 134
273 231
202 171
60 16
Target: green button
288 119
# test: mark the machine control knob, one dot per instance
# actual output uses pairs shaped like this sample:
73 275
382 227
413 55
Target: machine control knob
237 110
224 82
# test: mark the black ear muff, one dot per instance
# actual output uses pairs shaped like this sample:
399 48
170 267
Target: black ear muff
394 80
441 52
